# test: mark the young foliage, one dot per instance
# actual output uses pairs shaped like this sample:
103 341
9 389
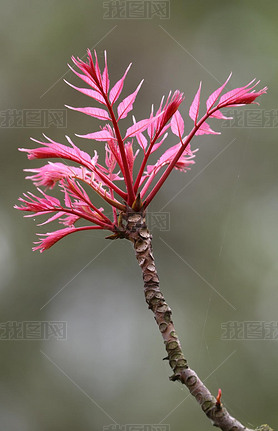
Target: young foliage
115 181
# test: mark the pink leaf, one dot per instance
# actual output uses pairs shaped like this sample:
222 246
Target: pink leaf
183 163
96 65
157 145
142 141
117 89
85 78
194 108
105 77
103 135
206 130
101 114
127 104
171 107
69 220
88 92
214 96
164 129
218 114
160 126
130 156
48 239
138 127
151 128
177 124
92 74
49 174
39 205
54 217
233 95
53 149
241 96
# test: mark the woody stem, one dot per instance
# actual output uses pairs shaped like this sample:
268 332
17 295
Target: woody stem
134 228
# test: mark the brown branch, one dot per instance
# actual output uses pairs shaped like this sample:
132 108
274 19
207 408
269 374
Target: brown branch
133 227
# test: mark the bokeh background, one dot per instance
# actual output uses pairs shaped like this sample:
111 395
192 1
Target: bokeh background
217 260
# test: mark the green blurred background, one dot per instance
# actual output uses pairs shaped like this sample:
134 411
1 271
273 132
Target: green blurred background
217 262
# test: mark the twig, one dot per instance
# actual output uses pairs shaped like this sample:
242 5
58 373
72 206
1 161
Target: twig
133 227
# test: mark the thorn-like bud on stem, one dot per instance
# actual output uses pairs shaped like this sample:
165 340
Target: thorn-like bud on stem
218 399
137 204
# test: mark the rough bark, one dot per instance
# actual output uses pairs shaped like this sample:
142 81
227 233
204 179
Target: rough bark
133 227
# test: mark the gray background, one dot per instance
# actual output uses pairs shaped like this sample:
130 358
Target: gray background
217 262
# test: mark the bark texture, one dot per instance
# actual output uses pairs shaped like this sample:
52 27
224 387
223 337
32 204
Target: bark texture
133 227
